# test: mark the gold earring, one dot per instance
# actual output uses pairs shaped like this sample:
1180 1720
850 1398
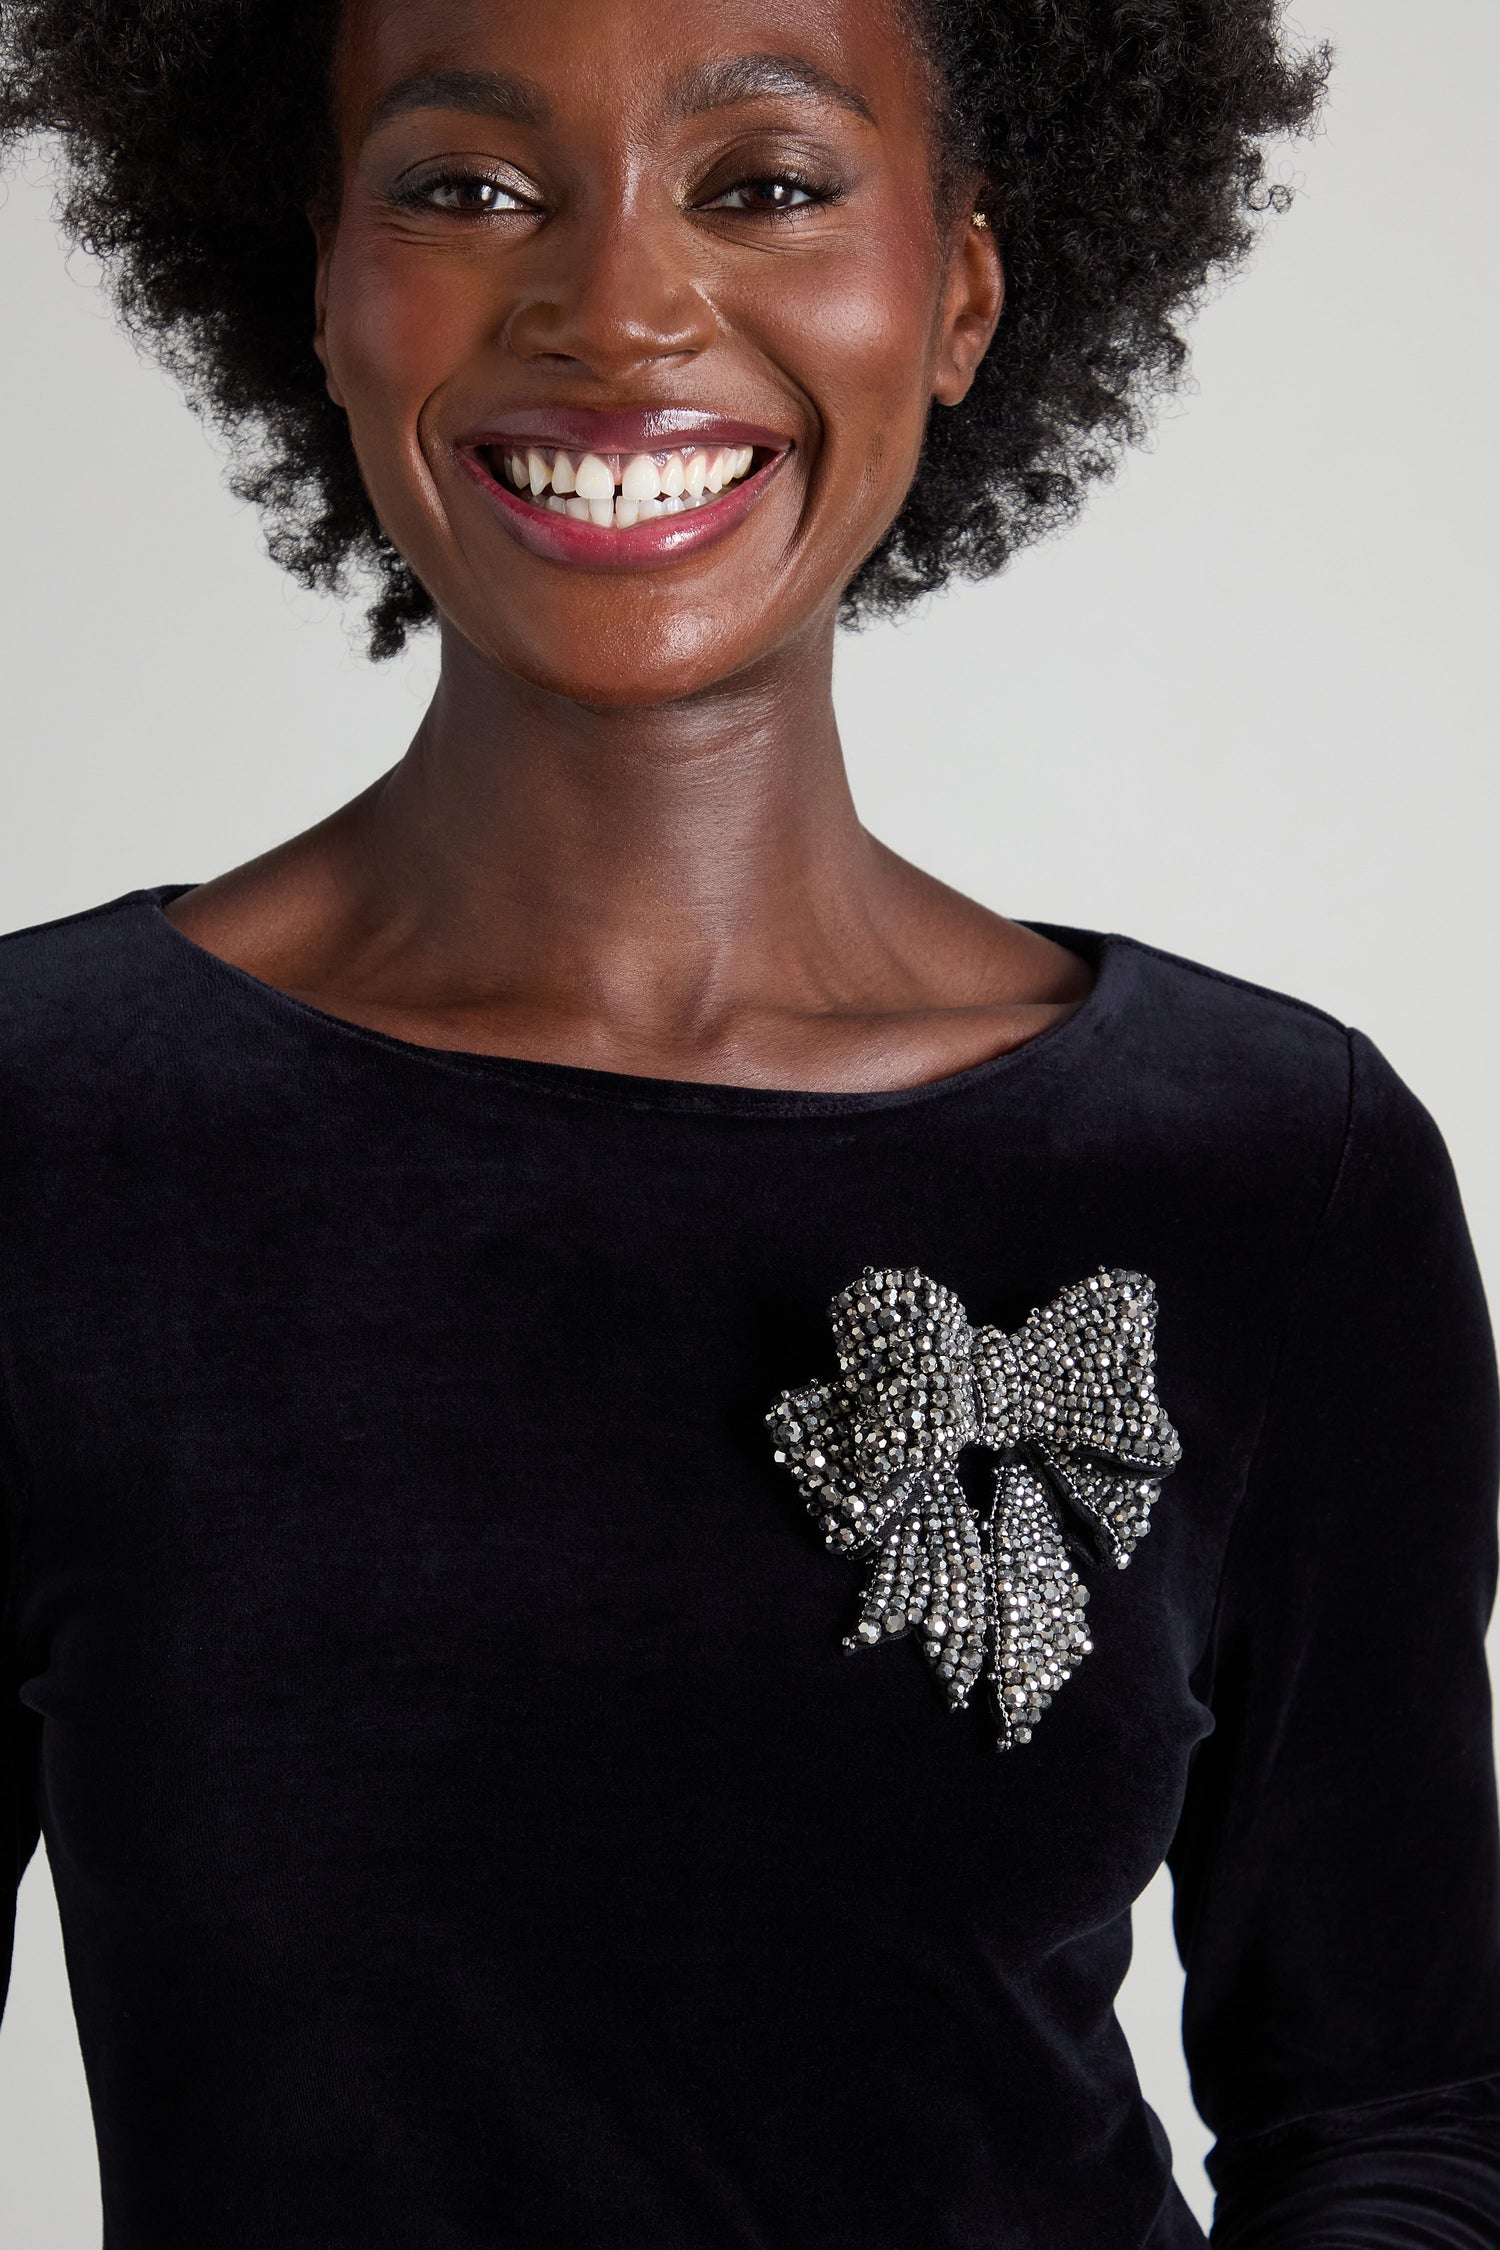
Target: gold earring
980 220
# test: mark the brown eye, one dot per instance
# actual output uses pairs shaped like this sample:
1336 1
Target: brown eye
470 195
779 191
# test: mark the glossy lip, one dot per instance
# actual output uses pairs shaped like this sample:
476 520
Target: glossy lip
590 546
653 429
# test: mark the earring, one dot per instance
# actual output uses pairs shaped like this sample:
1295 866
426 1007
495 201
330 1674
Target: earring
980 220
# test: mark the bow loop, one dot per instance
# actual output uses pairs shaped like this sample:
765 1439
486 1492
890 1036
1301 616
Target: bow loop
1080 1372
1068 1405
815 1438
904 1349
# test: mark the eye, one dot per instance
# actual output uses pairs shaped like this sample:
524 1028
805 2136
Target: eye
770 196
468 195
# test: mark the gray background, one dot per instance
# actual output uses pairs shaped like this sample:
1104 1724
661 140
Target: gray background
1243 710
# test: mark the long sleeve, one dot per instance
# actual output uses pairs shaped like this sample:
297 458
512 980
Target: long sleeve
1337 1865
18 1735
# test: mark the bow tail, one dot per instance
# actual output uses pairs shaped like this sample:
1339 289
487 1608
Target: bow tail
930 1576
1113 1506
956 1628
895 1596
1037 1634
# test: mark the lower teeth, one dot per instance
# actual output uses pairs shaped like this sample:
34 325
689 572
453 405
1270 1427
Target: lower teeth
621 515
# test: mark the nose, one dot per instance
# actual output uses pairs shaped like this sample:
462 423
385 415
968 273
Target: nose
610 295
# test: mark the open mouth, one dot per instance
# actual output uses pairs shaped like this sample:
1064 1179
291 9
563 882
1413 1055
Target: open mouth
621 491
631 489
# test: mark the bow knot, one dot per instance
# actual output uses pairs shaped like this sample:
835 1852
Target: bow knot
1067 1404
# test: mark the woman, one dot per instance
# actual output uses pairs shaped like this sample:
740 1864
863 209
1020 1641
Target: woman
479 1813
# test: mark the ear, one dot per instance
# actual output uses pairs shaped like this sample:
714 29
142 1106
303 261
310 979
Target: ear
970 312
324 225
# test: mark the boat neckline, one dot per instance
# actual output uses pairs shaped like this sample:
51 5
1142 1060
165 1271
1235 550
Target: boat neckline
1101 949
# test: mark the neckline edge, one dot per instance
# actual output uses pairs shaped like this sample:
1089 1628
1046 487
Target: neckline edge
581 1082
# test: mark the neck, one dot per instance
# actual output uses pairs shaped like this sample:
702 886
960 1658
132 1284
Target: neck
665 860
681 891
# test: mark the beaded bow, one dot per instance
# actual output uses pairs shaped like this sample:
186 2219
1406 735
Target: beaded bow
1067 1405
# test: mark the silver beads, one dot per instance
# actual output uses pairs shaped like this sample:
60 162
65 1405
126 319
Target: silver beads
1067 1404
1040 1633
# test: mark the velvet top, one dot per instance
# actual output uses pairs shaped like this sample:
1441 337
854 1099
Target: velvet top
468 1824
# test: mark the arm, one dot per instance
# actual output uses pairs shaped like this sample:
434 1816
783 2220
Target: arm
18 1733
1337 1864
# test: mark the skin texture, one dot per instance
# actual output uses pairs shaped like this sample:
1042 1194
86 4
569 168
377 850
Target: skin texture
623 836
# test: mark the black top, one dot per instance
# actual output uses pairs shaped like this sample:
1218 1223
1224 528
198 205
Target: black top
468 1825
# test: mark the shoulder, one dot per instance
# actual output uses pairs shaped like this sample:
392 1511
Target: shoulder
82 948
1255 1069
76 990
1214 1011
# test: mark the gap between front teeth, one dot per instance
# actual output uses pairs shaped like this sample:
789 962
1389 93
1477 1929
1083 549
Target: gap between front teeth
649 485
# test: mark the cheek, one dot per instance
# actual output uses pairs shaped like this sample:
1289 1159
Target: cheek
855 330
872 332
396 327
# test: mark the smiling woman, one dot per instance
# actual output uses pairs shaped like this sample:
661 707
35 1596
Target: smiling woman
195 159
467 1826
681 226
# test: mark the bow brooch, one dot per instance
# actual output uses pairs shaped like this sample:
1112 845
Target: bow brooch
1068 1407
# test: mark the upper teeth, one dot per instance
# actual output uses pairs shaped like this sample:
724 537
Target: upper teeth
648 484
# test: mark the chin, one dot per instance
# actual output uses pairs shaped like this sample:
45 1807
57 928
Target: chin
635 656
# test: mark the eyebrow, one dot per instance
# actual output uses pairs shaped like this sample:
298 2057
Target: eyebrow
748 78
716 85
480 93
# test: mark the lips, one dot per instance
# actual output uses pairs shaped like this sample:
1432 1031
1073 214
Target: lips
621 491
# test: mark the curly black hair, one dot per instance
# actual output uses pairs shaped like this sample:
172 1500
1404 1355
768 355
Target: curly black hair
1122 142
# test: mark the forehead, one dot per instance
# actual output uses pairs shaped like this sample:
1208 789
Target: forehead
651 56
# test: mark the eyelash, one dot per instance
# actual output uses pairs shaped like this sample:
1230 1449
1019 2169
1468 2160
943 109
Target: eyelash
815 194
420 194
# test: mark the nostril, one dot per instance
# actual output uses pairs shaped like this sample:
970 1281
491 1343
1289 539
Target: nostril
618 318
